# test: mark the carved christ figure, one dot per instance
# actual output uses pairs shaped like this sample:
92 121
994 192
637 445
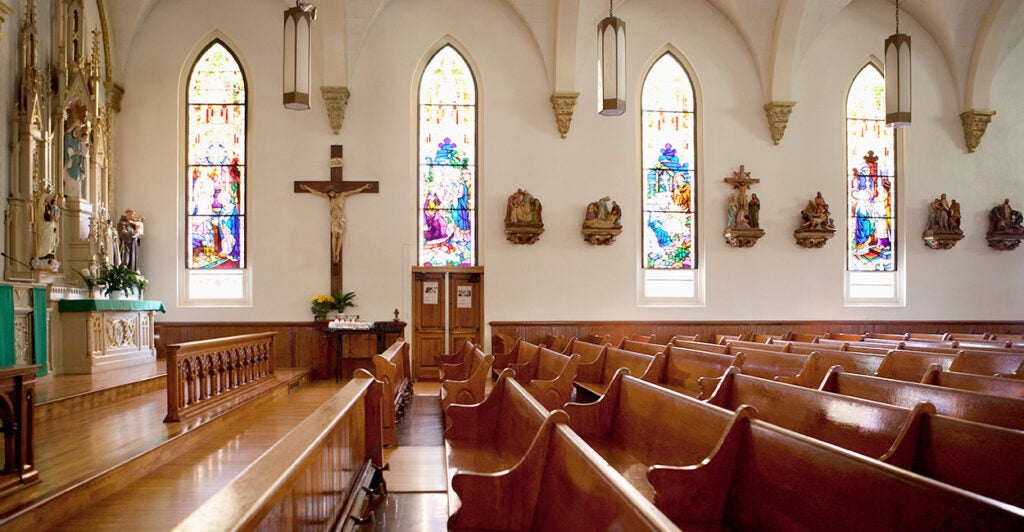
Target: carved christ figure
337 200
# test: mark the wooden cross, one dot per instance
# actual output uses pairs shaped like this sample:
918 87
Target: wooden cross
742 181
336 190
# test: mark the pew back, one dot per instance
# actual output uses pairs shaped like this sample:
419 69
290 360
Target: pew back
703 346
994 410
587 351
976 383
736 345
989 363
468 390
911 365
771 364
646 348
522 353
684 368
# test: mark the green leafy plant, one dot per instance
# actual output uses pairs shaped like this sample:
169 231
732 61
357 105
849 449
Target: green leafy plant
118 278
321 305
344 301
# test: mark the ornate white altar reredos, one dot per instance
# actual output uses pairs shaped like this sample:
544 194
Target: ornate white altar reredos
58 211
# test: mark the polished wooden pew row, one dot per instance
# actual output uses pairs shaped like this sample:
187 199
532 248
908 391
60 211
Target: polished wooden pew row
850 361
686 338
911 366
465 383
646 348
548 377
593 379
1005 387
989 362
684 369
771 364
703 346
392 368
587 351
459 356
734 345
513 465
320 476
991 409
962 453
520 353
216 375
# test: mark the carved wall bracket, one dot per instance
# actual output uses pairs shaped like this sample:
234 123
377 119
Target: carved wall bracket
975 122
564 103
335 102
778 117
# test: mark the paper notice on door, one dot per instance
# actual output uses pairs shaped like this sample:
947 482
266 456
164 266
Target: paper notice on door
465 296
430 293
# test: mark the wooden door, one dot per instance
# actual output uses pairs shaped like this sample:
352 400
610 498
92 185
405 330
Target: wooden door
428 322
465 307
447 309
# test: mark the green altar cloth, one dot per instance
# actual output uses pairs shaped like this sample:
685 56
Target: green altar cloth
120 305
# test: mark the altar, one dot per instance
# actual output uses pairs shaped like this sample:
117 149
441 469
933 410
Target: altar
100 334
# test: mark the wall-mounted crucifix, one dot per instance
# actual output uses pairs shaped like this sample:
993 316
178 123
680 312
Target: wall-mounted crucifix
336 190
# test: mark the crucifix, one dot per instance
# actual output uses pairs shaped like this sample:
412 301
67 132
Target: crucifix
336 190
741 181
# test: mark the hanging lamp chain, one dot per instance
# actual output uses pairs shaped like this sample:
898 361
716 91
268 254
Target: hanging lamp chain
897 16
610 8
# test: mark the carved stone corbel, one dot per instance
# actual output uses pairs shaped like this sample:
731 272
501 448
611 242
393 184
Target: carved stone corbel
335 102
975 121
564 103
778 117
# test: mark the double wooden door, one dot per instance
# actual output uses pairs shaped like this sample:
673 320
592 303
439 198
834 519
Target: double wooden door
447 309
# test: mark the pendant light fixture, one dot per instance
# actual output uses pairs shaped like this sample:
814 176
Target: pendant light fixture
611 65
297 23
897 77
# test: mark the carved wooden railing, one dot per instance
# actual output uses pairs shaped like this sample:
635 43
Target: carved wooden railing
319 477
205 375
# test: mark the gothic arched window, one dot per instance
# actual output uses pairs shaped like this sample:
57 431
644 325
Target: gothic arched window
668 180
871 190
447 157
215 173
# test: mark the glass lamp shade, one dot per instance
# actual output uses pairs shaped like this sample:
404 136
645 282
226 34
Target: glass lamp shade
897 80
611 66
297 23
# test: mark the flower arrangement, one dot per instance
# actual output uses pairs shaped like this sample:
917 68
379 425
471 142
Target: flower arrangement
120 278
91 277
321 305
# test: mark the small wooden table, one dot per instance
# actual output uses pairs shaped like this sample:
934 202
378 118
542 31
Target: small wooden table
380 328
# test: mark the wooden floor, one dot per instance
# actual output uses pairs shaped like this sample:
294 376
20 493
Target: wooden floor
53 387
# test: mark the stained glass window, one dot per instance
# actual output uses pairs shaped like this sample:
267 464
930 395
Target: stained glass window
668 173
215 221
447 162
871 178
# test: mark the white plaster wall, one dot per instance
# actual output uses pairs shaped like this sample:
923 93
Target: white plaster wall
561 277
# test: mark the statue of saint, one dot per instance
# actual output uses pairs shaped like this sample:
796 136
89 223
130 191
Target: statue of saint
130 229
338 222
48 214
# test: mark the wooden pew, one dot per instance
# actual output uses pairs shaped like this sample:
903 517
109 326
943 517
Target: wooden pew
772 364
809 347
548 377
963 404
931 337
560 484
587 351
489 437
209 375
685 338
593 378
762 477
331 461
724 338
803 337
643 338
885 336
637 425
977 383
465 383
502 344
836 419
392 369
641 347
911 365
735 345
872 348
703 346
990 363
851 362
684 369
844 337
521 353
555 343
459 356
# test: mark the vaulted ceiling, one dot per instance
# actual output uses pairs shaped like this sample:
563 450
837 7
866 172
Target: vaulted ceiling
974 36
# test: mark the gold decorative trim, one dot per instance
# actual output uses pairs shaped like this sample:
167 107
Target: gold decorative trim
975 121
778 118
335 102
564 103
